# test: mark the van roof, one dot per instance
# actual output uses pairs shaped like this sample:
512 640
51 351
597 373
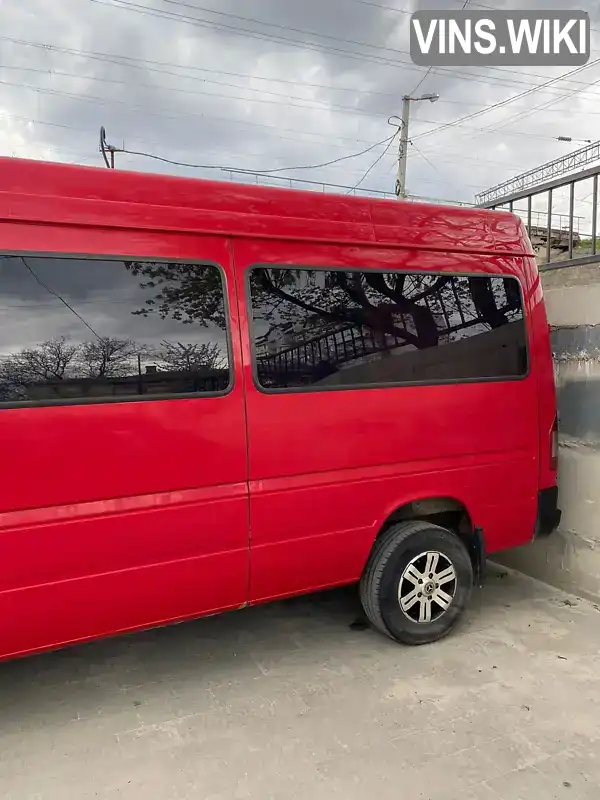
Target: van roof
93 196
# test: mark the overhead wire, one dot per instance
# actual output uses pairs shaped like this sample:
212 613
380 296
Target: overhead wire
59 297
166 113
539 108
333 161
507 101
310 103
62 126
425 158
324 103
377 160
263 171
123 3
126 5
382 7
316 34
163 113
153 66
495 8
35 121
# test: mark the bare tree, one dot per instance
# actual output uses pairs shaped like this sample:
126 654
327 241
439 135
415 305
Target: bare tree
48 361
52 360
191 357
109 357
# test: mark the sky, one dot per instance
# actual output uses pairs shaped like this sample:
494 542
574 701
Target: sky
273 85
82 300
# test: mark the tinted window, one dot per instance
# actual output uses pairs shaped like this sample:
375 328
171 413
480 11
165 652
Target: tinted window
330 328
82 329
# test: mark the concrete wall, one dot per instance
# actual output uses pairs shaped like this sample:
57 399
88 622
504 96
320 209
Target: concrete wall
570 558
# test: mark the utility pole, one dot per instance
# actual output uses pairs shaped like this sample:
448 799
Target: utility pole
109 149
403 145
402 149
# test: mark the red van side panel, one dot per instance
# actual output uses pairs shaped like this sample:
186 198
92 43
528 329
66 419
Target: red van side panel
115 516
118 516
327 468
545 375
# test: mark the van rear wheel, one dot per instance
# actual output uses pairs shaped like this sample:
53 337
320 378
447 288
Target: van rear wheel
417 582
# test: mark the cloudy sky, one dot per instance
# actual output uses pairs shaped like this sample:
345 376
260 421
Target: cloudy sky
269 84
102 297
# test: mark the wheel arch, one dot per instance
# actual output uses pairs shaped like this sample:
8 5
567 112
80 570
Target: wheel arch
449 512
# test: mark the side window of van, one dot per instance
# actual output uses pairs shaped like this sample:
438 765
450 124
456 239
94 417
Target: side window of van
87 329
330 328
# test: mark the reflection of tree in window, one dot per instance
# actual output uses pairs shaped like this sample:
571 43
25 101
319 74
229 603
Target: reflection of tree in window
98 365
189 293
312 324
306 319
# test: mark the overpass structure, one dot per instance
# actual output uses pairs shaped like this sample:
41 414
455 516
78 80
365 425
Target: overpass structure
546 172
558 235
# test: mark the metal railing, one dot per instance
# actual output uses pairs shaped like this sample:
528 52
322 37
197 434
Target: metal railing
565 238
268 179
302 361
552 169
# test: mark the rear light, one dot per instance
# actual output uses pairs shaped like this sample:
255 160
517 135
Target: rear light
554 446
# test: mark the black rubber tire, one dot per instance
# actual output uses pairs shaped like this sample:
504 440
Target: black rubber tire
391 553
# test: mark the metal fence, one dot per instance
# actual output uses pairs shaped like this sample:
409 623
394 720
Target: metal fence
545 172
565 236
268 179
303 361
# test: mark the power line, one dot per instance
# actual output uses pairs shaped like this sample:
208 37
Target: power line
272 176
176 89
166 113
260 35
502 103
62 126
324 104
495 8
536 109
333 107
310 104
244 32
423 79
150 143
382 7
262 171
424 157
152 66
227 15
328 109
464 158
334 161
374 164
533 110
62 300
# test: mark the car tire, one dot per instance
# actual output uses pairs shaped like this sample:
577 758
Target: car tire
417 582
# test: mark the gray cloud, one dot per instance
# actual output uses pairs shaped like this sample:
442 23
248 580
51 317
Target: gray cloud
217 90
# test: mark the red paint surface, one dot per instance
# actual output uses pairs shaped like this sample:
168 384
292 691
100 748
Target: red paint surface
120 516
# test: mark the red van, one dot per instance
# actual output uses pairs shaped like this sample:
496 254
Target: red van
214 395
